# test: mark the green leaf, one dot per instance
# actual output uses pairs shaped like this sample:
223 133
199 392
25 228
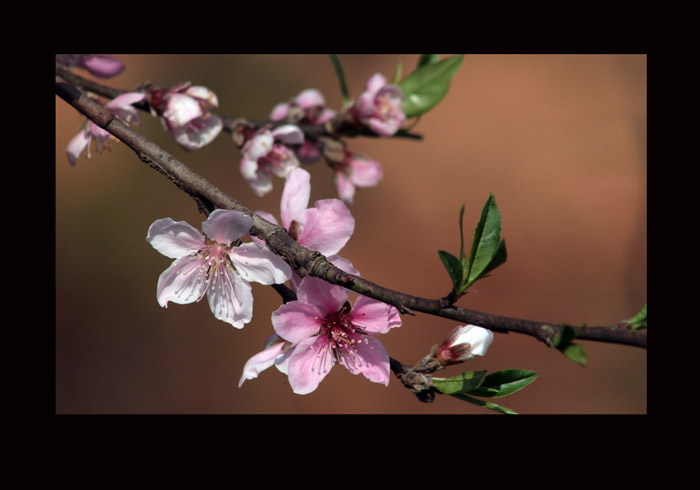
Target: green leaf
499 258
563 343
488 249
341 78
453 266
638 321
575 352
461 383
426 59
503 383
427 85
485 404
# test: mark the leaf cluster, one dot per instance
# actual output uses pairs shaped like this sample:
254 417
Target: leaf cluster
488 250
466 386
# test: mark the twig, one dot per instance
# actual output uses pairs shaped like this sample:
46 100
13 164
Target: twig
307 261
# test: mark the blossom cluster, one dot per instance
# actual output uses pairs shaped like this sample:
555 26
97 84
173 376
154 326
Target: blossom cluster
312 333
321 328
268 151
271 150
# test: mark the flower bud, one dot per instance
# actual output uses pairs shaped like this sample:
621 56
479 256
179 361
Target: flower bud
463 343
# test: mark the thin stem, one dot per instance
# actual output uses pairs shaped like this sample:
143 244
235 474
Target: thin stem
341 78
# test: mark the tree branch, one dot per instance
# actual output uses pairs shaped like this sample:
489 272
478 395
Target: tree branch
306 261
336 127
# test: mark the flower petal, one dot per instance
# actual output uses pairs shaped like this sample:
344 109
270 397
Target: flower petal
77 145
343 264
295 197
263 360
325 116
296 321
478 338
226 225
102 65
309 98
365 172
374 316
258 264
204 95
371 360
364 105
230 297
345 188
197 133
98 133
174 239
279 112
182 109
375 83
289 134
125 100
326 297
327 226
311 361
261 184
182 283
249 168
258 146
386 127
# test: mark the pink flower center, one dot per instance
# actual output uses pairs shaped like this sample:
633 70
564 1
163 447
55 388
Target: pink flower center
343 336
387 107
158 101
276 159
213 260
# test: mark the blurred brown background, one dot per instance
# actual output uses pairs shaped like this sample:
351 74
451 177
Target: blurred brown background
559 139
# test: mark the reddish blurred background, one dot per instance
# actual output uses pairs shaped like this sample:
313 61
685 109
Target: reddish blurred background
559 139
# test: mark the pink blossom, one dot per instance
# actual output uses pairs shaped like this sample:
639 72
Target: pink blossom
308 107
266 154
99 65
324 329
463 343
121 106
326 227
214 263
379 106
184 110
355 171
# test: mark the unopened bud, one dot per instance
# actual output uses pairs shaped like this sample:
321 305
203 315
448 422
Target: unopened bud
463 343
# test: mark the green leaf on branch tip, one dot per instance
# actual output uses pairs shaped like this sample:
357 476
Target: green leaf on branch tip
488 248
426 59
575 352
563 343
484 404
637 321
503 383
428 84
461 383
454 268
